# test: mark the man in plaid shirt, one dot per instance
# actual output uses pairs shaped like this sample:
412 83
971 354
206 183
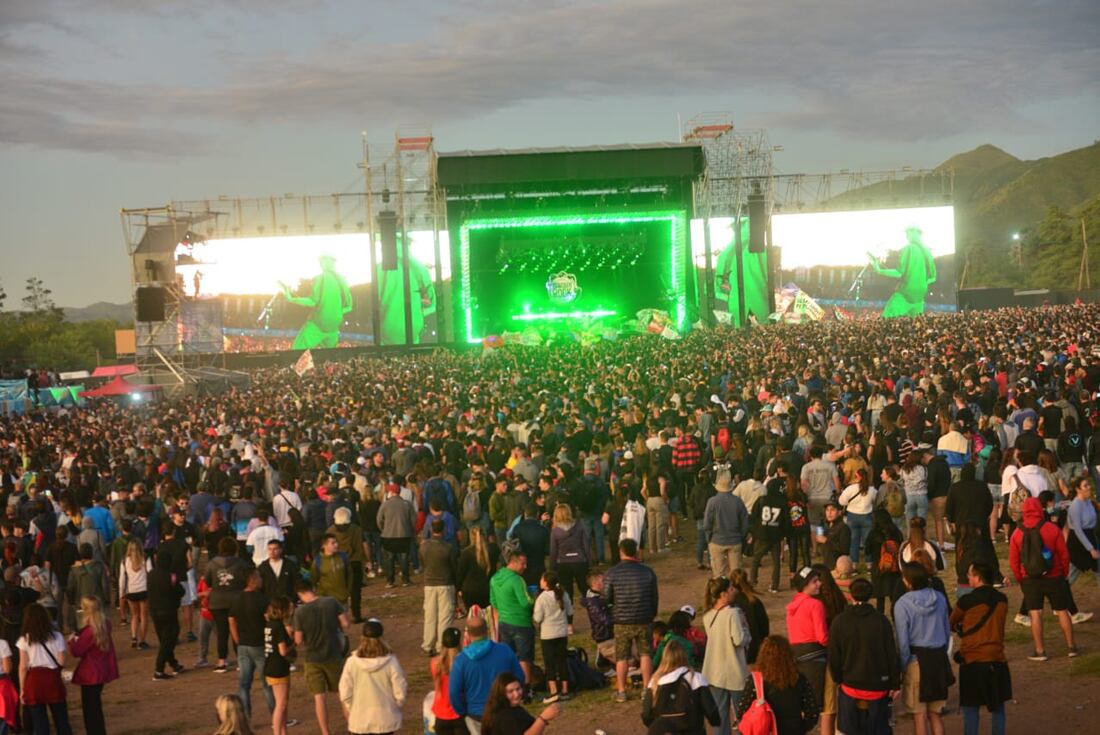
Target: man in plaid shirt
687 456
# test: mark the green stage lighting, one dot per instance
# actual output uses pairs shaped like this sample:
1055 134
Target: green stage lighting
676 219
595 314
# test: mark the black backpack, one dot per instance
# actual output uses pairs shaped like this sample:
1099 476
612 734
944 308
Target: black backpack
582 677
675 703
1034 557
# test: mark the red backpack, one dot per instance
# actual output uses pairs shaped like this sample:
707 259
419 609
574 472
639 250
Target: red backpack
889 557
759 719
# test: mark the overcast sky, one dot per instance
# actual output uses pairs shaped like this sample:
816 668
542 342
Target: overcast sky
107 104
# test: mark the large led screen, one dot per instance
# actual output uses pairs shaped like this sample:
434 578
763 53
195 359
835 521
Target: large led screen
723 269
315 291
896 262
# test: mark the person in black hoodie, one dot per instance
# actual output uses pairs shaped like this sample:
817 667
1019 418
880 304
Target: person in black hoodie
165 593
973 548
969 501
569 552
883 549
864 663
770 520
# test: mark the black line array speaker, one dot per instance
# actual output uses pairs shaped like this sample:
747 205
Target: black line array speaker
758 224
387 231
150 304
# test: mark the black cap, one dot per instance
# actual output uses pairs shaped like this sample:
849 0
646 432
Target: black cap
372 628
452 637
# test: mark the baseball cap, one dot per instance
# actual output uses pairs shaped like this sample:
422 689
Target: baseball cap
689 610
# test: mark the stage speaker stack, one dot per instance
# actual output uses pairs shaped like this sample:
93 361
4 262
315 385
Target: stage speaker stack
387 230
758 223
150 304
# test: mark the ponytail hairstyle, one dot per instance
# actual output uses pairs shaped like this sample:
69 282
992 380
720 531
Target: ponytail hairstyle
716 587
864 480
553 584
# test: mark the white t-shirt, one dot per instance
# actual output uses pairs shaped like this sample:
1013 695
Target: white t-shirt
282 504
36 652
5 649
258 540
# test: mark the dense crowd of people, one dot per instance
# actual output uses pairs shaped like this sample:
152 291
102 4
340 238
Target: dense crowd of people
854 462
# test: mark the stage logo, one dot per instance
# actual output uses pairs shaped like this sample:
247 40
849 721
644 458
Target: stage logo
562 288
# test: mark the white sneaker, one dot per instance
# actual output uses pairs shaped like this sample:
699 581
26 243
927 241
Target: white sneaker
1081 617
1023 620
371 575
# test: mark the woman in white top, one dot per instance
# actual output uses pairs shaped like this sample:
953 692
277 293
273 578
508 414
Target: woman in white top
42 658
133 591
551 615
724 665
914 478
1009 468
9 698
859 500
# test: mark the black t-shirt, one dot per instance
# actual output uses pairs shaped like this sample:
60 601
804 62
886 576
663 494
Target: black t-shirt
511 721
248 608
275 665
177 548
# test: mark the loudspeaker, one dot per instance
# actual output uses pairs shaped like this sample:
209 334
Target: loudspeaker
150 304
758 224
387 230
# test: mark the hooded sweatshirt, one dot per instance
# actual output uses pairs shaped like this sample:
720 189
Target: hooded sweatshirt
806 620
920 619
508 596
474 671
568 545
1032 516
374 691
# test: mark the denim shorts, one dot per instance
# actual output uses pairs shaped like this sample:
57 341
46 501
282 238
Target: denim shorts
520 639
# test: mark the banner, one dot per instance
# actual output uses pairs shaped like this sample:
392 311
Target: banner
304 364
13 396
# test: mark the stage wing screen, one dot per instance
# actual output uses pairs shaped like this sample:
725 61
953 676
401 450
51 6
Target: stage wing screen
314 291
898 262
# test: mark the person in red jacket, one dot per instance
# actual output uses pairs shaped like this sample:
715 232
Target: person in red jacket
807 631
1052 584
98 664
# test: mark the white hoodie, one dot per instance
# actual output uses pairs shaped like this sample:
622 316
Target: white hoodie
374 691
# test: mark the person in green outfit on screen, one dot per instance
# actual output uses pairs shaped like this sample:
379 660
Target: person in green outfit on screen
916 272
392 299
330 299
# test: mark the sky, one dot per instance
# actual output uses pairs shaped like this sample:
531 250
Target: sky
110 104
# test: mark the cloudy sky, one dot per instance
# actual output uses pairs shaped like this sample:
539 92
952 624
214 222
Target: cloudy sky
107 104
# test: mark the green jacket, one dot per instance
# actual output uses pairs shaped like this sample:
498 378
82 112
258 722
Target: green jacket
350 538
508 596
332 576
498 511
684 643
117 552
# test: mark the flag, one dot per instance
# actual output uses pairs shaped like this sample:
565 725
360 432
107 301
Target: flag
304 364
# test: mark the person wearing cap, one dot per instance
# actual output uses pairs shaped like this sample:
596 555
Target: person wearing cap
474 671
373 688
350 541
808 630
397 519
440 560
770 522
591 496
725 523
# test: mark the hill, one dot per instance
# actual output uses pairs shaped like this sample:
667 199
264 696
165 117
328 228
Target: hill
121 313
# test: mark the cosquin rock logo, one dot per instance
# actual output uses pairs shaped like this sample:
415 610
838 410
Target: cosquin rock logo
562 288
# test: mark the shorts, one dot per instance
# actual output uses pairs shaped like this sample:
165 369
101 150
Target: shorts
520 639
910 693
815 509
1037 590
636 637
274 681
324 677
190 589
606 649
137 596
830 707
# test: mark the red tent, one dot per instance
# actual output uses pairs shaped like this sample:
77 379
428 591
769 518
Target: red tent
111 371
118 387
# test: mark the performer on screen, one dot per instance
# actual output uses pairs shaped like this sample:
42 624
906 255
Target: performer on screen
330 299
392 298
916 272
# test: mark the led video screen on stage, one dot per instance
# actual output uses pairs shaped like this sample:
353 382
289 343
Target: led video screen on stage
723 265
554 271
311 291
897 262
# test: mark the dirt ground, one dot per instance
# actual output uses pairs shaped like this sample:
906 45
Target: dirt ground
136 705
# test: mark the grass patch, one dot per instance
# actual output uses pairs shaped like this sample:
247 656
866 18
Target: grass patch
1088 665
1017 634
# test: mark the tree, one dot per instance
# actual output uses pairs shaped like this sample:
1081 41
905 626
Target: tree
3 296
39 299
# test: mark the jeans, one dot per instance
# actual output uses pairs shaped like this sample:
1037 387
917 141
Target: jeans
798 546
862 716
860 525
594 526
91 705
700 541
40 718
764 548
206 627
374 543
972 719
727 700
250 660
391 557
916 506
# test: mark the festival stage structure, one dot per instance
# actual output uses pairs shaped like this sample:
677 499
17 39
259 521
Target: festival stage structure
429 248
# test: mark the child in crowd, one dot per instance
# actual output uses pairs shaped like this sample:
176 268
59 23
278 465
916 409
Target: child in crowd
697 636
675 630
843 574
599 619
206 623
551 614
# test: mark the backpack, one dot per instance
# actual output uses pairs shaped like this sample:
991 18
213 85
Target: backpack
471 506
760 719
1035 558
440 490
1016 500
894 502
675 704
582 677
889 557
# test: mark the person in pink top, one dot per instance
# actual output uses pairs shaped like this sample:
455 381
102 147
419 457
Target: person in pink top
98 664
807 631
447 721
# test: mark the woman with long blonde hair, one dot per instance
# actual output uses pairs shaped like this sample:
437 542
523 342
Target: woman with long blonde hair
276 663
133 591
476 565
570 551
232 719
674 667
98 663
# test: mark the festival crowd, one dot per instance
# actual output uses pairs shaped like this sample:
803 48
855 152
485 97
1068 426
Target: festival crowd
857 465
